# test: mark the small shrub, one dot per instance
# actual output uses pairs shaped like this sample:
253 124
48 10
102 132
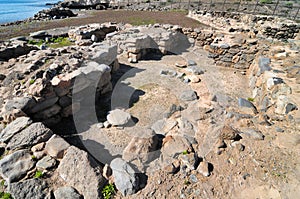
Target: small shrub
108 191
33 157
289 4
38 174
250 99
4 195
31 81
2 183
266 1
185 152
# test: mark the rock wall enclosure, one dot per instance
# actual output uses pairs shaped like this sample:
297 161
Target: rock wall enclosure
38 89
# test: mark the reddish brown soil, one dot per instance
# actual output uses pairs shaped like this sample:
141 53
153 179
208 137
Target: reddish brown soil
118 16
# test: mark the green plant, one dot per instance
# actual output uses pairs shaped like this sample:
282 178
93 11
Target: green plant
38 174
186 182
289 4
4 195
108 191
266 1
31 81
250 99
33 157
185 152
2 183
60 42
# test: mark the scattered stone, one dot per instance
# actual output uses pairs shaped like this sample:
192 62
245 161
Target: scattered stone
169 73
38 147
245 103
193 178
228 133
77 166
196 70
252 133
46 163
180 64
188 95
143 148
67 193
264 64
189 160
126 180
278 129
34 134
15 166
118 117
290 107
203 168
100 125
32 188
107 124
13 128
56 147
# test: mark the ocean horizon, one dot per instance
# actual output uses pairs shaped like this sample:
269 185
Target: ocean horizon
14 10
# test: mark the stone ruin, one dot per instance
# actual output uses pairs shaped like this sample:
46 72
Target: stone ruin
38 91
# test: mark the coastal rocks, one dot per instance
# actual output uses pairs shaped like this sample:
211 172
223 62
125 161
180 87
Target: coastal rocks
54 13
16 165
125 178
118 117
33 134
82 4
77 166
32 188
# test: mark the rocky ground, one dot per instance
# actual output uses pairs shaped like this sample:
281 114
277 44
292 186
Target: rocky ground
156 111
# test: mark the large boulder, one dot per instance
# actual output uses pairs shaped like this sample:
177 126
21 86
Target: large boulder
143 148
15 166
29 189
125 178
81 171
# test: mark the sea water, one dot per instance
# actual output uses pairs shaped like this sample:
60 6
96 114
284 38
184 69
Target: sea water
13 10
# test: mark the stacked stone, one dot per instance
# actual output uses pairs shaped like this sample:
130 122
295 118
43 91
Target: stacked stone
271 91
234 55
142 40
283 32
201 37
91 33
50 93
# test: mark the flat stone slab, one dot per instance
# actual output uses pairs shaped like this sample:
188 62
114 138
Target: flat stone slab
15 166
34 134
13 128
